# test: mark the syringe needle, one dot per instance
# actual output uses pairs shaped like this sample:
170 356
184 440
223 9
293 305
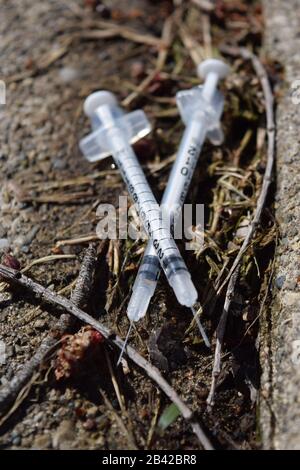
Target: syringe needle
125 343
201 329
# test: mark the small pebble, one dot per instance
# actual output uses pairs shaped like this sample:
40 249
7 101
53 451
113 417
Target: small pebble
68 74
3 231
14 434
4 243
11 262
64 436
59 164
38 417
42 442
202 390
40 324
279 281
16 441
92 412
89 424
137 69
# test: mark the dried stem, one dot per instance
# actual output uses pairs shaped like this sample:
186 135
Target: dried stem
220 336
166 39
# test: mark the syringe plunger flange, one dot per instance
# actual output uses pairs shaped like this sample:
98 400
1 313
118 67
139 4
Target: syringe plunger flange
97 99
205 102
215 66
104 112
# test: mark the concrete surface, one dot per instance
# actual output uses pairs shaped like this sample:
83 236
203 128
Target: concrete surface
280 349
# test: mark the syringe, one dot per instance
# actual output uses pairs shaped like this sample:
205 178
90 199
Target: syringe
113 133
200 108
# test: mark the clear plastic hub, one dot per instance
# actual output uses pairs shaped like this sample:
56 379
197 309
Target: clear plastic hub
139 301
184 288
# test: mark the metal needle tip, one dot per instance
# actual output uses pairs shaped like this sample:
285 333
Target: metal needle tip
201 329
125 343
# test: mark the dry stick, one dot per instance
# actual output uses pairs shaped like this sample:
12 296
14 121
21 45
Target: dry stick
76 241
207 40
123 32
233 273
220 336
195 50
121 402
120 422
16 278
166 38
79 296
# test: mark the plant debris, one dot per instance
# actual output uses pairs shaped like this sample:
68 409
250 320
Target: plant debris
74 350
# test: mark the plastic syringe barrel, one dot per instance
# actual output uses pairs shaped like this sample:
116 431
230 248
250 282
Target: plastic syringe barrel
173 198
149 211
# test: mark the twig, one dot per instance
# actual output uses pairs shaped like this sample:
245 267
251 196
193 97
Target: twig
44 62
122 32
220 336
47 259
21 396
121 401
131 442
139 89
42 186
76 241
59 198
207 40
9 392
120 397
233 273
18 279
194 49
153 424
166 39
